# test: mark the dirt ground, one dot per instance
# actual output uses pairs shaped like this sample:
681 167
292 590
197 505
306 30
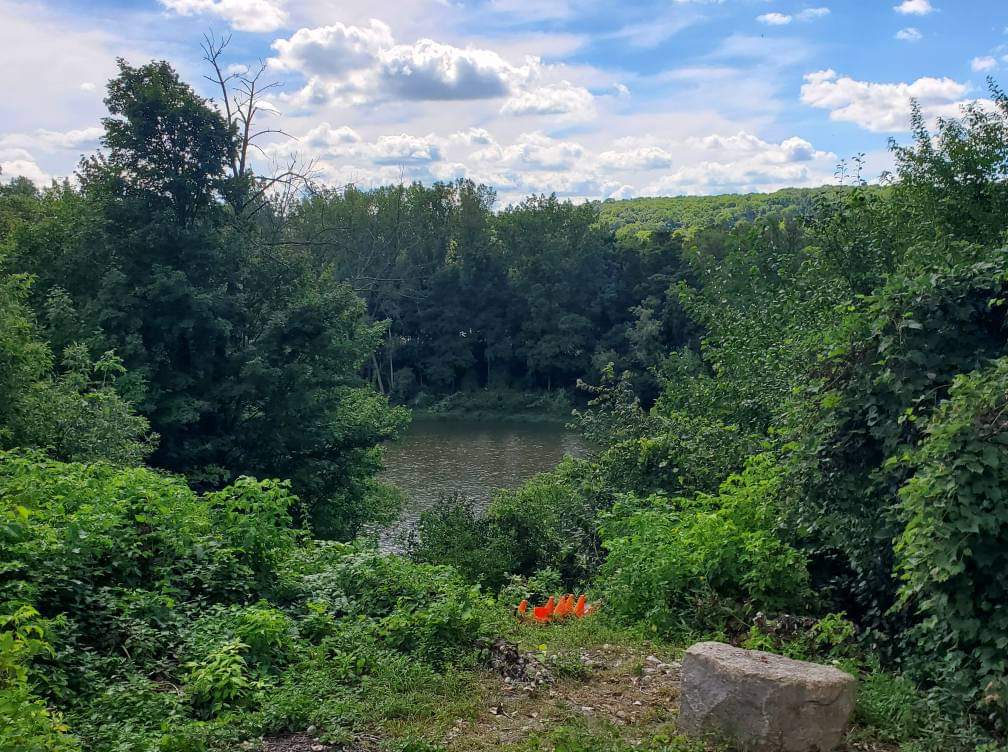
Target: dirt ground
634 693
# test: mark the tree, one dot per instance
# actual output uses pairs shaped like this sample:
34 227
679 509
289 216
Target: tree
243 357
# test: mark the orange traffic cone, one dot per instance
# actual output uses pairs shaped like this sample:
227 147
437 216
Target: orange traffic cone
579 607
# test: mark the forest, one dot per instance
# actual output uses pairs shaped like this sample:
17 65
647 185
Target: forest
798 403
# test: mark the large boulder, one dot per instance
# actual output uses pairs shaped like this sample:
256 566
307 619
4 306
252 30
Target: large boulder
763 702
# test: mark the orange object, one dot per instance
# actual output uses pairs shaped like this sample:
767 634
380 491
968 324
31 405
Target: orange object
579 607
541 614
550 606
523 607
563 608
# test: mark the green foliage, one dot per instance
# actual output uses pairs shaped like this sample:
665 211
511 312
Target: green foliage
26 724
243 355
953 550
676 562
891 365
220 681
546 523
637 216
76 415
452 532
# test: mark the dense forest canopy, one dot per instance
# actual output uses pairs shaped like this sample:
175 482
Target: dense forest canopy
797 401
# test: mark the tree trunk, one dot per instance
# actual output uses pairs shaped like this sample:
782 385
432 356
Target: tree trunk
377 372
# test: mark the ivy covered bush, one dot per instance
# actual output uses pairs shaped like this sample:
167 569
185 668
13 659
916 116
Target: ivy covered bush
953 551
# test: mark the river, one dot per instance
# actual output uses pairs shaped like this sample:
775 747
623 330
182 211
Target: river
472 457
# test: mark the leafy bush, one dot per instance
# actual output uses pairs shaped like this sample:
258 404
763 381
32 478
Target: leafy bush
677 561
221 681
890 365
953 552
452 532
547 522
26 724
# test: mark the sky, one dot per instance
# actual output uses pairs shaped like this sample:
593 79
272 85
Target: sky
587 99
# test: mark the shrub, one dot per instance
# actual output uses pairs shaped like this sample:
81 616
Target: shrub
221 681
673 561
953 553
451 532
547 522
26 724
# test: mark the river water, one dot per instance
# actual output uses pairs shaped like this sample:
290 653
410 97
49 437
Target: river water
471 457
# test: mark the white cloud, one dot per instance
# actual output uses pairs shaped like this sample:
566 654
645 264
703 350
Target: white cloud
430 70
783 19
981 64
641 158
789 150
881 107
914 7
243 15
87 86
473 136
564 98
48 140
405 149
537 162
774 19
326 142
535 151
20 163
909 34
355 65
812 13
332 50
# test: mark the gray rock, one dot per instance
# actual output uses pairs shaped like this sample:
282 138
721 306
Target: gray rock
763 702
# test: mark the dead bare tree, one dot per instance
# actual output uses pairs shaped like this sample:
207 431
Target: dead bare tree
242 92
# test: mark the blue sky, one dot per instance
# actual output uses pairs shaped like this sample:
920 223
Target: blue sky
588 99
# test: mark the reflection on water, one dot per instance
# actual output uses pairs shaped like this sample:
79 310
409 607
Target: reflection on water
472 457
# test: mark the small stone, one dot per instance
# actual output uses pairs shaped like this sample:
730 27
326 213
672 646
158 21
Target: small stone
638 703
587 709
311 730
318 748
653 660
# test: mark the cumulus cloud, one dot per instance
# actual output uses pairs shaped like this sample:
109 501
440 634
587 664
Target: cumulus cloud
533 151
536 162
909 34
430 70
20 163
326 142
564 99
48 140
880 107
914 7
346 64
981 64
243 15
